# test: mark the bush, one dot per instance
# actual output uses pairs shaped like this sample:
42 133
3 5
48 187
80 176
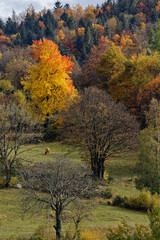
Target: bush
124 232
154 218
43 233
106 194
143 201
92 234
20 97
90 194
13 181
2 183
5 85
118 201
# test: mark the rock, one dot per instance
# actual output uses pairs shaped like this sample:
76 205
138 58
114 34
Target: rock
19 186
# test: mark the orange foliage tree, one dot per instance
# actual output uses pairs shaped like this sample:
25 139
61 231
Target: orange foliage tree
126 41
132 84
89 75
145 95
48 82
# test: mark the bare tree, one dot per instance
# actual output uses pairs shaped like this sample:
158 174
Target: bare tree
54 185
16 129
100 125
80 211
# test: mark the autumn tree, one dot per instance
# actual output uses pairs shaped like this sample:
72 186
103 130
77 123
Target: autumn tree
55 186
17 67
145 95
154 37
89 75
148 165
111 64
99 125
136 73
17 128
49 83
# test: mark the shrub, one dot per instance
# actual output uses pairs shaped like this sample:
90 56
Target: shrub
90 194
2 183
5 85
13 181
120 232
118 201
154 218
43 233
106 194
90 234
20 97
123 232
143 201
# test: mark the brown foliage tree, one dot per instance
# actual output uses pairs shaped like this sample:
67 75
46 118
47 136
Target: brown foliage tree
101 126
89 75
17 67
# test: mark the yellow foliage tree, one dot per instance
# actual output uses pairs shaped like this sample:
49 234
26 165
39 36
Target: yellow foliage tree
81 31
61 34
48 83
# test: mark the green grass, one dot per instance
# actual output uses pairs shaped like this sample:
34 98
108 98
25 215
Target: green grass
36 153
122 164
121 167
15 224
12 221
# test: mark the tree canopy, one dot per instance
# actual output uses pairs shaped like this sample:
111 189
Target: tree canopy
49 83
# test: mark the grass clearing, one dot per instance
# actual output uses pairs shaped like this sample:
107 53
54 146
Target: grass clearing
121 167
36 153
14 224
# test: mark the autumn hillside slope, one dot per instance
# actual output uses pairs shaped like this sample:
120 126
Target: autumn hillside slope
80 122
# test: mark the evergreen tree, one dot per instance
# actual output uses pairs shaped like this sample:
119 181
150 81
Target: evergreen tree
1 24
89 40
50 24
149 151
123 6
67 6
57 5
82 23
23 34
154 38
71 22
133 7
154 16
10 27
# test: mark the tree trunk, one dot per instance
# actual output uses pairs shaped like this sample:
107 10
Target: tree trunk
58 225
101 168
8 176
47 122
98 167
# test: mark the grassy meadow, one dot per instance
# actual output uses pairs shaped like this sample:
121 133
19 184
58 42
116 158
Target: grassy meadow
121 167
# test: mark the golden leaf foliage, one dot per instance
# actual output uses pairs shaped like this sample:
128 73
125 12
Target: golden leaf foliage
48 82
92 234
81 31
90 13
158 7
78 12
60 24
61 34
